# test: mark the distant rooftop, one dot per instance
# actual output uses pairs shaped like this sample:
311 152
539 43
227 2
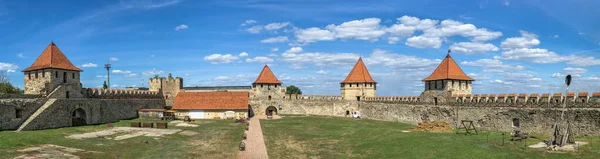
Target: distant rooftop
218 88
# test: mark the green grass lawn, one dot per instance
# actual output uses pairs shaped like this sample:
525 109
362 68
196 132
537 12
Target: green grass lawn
336 137
215 139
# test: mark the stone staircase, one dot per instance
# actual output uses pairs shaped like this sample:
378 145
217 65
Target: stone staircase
49 95
37 113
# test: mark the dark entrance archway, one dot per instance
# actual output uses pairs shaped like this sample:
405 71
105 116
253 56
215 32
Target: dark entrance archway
271 110
347 112
78 117
250 112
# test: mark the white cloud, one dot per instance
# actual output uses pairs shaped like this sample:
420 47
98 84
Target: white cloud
275 49
493 65
254 29
535 55
582 61
313 35
501 82
297 57
278 39
527 40
113 59
220 58
399 61
273 55
121 72
100 76
570 70
243 54
322 72
181 27
276 26
259 59
506 3
128 74
8 67
294 50
473 47
152 72
424 42
241 79
248 22
21 56
365 29
187 75
555 36
131 75
393 40
89 65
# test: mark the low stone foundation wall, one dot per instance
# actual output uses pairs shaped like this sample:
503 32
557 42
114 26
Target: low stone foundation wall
95 111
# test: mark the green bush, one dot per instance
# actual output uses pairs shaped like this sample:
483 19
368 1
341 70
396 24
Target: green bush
9 88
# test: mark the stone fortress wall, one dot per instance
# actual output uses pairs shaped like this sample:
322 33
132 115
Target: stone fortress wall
536 114
93 111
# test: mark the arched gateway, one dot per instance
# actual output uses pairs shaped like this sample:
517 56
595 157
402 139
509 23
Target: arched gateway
78 117
271 110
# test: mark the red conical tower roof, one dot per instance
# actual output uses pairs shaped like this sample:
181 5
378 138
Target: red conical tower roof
448 69
52 57
359 74
266 77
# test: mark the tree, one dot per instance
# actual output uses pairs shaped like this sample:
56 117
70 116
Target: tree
104 86
6 86
293 90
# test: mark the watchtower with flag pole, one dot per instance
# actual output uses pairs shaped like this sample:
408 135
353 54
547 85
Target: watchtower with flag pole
107 66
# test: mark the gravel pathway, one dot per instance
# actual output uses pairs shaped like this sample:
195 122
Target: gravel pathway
255 144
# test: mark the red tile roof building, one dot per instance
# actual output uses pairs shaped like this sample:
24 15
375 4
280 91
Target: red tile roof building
267 85
448 76
52 57
266 76
51 70
359 83
211 101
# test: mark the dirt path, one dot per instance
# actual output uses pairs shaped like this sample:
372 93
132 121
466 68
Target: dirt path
255 144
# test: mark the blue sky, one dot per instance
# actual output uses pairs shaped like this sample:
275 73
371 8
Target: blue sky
508 46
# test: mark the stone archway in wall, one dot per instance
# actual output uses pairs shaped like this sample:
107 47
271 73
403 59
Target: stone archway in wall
271 110
250 111
78 117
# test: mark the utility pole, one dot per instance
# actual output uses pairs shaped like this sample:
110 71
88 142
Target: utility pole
107 66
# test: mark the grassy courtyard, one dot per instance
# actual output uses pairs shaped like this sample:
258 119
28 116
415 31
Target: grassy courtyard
211 139
336 137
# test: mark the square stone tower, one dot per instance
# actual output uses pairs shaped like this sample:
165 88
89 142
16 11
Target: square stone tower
359 83
446 80
169 87
52 72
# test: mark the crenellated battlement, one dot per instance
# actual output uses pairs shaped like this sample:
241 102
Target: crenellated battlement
311 97
556 100
581 99
394 99
121 94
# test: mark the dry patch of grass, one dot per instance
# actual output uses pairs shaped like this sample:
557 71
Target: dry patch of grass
212 139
